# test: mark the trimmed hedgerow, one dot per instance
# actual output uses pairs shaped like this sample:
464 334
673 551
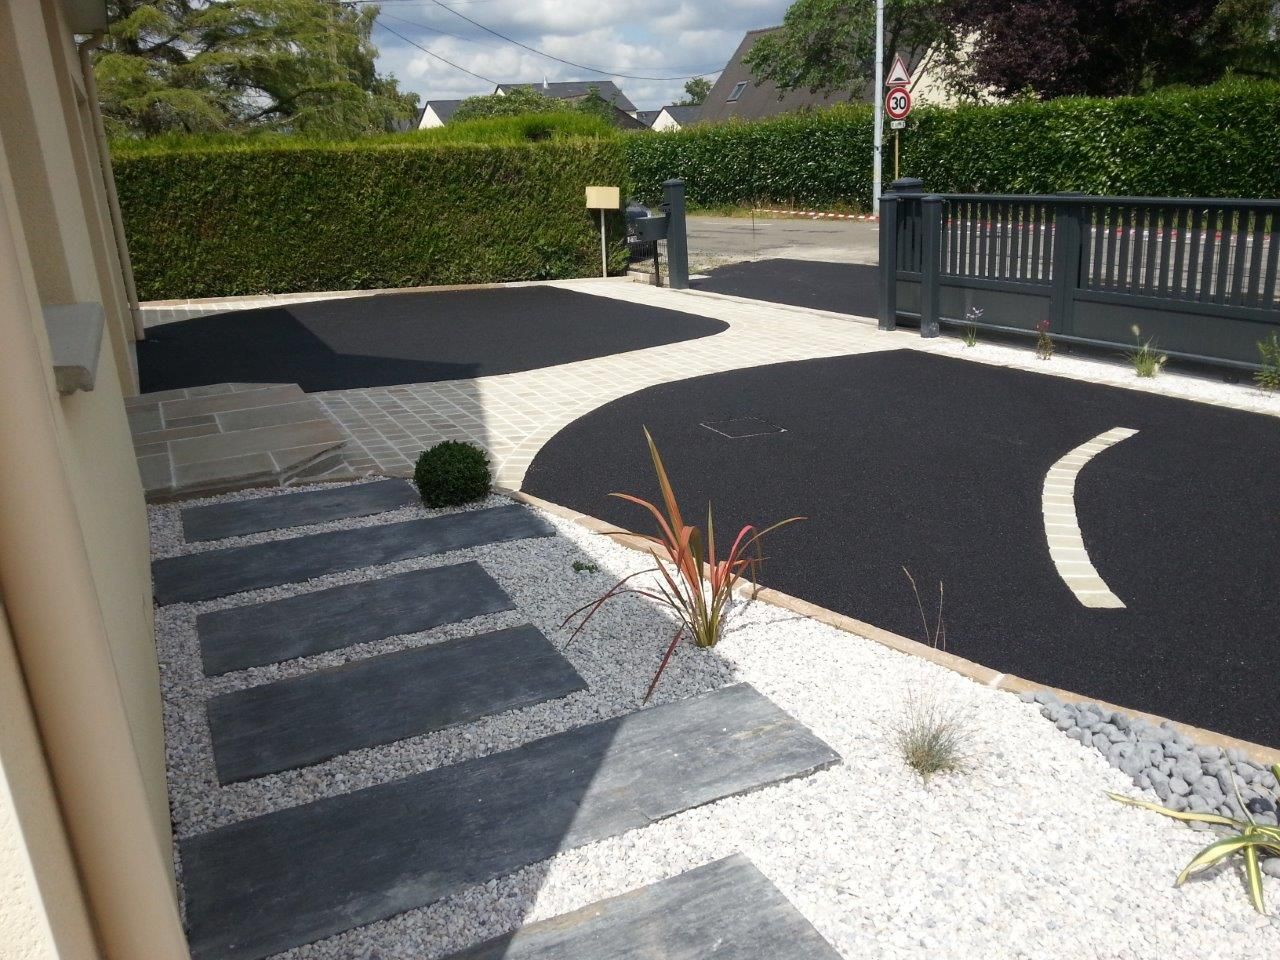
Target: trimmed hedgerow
452 473
255 217
1214 141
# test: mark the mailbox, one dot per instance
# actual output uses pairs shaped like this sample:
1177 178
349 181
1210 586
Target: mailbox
648 229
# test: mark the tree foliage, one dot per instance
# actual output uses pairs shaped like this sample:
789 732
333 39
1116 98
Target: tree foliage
241 65
695 92
829 46
514 103
1054 48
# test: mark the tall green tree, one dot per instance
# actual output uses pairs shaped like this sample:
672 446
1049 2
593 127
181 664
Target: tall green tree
695 92
829 46
1053 48
305 66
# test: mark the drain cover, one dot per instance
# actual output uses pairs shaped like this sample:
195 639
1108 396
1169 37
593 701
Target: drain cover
741 427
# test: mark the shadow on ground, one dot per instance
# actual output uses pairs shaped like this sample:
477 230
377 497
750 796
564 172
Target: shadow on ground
406 338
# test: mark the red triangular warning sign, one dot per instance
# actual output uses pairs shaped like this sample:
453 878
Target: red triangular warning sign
898 76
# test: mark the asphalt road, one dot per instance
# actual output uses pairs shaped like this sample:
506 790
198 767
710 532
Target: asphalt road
715 240
820 285
938 464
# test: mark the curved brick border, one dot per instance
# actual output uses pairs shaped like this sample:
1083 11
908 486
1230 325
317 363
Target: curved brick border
1062 526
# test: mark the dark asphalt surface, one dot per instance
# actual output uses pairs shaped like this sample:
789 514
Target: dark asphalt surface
937 464
838 287
406 338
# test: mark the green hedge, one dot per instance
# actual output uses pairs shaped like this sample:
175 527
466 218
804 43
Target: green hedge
1214 141
252 218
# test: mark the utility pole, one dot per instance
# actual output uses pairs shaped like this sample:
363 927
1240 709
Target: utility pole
878 133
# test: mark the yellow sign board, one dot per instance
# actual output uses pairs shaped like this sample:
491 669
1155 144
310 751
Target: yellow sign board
603 198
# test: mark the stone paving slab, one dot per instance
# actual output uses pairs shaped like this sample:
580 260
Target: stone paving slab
220 573
312 623
298 875
239 518
303 720
726 909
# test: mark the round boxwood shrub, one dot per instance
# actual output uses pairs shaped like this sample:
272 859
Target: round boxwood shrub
452 473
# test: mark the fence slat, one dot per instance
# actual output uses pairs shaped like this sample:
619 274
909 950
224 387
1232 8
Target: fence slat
1273 263
1237 255
1205 288
1172 284
1222 289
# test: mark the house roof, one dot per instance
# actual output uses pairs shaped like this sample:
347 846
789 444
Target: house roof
647 116
575 89
753 100
444 109
683 113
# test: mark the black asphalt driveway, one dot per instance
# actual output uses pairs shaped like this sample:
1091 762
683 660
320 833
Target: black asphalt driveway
406 338
936 464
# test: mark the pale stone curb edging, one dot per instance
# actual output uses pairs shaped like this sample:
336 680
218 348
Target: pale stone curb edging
1062 525
1009 683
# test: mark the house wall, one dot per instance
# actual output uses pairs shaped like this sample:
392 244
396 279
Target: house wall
429 120
665 122
74 558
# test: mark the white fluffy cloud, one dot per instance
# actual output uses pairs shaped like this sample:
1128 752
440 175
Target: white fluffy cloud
656 38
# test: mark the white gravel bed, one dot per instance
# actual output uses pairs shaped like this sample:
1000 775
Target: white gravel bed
1118 372
1018 855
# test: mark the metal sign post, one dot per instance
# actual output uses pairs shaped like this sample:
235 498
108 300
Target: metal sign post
897 104
602 199
878 131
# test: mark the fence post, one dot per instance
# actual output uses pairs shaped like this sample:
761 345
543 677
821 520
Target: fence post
1066 261
889 261
931 251
677 238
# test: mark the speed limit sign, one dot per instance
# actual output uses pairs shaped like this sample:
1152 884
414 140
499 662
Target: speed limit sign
897 103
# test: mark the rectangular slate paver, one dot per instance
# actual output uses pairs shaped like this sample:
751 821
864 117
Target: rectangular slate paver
312 623
303 720
218 521
727 910
292 877
220 573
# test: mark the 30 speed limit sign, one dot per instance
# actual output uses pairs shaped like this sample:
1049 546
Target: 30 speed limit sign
897 103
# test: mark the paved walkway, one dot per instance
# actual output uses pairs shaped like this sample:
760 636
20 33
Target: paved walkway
513 415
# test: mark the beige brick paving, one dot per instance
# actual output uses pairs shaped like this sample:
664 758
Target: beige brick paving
514 414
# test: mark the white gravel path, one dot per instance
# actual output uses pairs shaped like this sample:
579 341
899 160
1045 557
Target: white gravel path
1018 855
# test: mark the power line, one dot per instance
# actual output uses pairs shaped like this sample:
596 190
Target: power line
431 53
580 66
443 33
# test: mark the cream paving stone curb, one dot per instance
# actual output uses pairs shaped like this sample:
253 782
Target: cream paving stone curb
1009 683
1062 525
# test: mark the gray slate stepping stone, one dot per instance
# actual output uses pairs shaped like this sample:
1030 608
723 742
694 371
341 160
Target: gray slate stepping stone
303 720
298 875
727 910
217 521
220 573
312 623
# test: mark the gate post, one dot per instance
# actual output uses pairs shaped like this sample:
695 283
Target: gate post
889 261
931 253
677 238
1067 237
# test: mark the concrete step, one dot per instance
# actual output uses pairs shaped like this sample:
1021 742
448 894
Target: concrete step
726 909
226 437
298 875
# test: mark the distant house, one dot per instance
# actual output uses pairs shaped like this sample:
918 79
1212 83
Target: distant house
575 90
671 117
737 94
436 113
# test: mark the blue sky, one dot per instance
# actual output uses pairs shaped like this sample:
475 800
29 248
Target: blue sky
650 38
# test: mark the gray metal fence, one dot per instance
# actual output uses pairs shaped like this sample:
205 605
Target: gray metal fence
1196 276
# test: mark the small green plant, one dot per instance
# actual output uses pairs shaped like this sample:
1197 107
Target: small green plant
933 737
1044 342
452 473
1246 837
581 566
1146 360
702 584
1268 378
972 316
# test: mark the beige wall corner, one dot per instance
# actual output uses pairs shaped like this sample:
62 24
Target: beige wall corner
42 912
